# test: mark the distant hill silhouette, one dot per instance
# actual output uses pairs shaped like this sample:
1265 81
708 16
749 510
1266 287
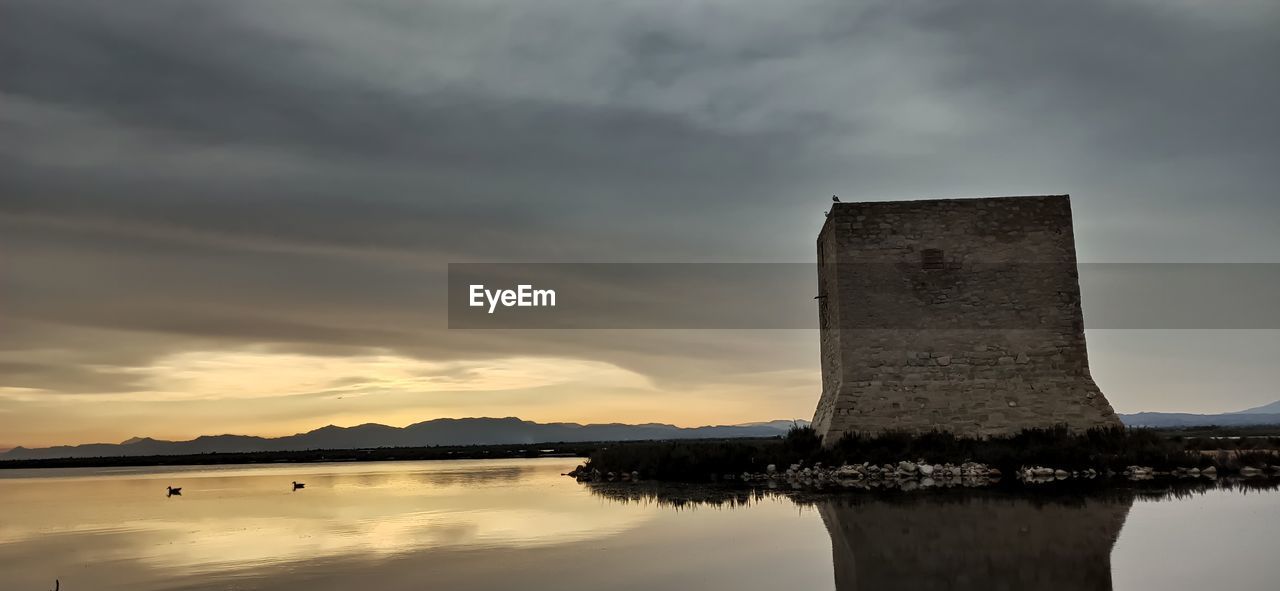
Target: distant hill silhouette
511 430
1267 414
1273 408
469 431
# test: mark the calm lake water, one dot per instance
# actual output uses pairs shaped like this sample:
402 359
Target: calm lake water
518 524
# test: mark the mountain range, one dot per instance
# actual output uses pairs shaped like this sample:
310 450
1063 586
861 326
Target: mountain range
1273 408
1267 414
468 431
511 430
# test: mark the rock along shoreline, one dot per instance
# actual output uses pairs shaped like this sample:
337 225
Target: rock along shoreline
917 474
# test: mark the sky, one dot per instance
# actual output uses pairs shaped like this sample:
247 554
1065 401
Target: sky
236 216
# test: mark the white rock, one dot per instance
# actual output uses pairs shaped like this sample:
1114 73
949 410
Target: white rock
771 469
926 470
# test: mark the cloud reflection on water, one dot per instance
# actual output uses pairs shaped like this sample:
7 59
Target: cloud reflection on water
518 524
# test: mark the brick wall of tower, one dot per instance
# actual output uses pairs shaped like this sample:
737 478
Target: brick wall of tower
981 336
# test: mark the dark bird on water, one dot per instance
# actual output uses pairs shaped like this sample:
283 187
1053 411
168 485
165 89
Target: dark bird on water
298 485
835 199
174 491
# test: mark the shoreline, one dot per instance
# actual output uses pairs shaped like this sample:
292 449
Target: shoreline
907 475
384 454
1070 492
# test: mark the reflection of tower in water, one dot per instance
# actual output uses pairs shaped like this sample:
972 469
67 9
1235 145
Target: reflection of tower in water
983 542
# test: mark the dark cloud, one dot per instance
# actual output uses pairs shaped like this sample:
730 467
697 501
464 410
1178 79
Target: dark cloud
186 175
61 378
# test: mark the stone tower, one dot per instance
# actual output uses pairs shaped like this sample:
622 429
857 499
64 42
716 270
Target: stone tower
958 315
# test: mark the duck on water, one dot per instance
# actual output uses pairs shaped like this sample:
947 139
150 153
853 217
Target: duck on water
172 490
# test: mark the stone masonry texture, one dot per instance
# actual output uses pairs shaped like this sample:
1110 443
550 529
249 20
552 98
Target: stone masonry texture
958 315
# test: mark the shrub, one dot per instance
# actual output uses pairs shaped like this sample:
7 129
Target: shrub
1100 449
